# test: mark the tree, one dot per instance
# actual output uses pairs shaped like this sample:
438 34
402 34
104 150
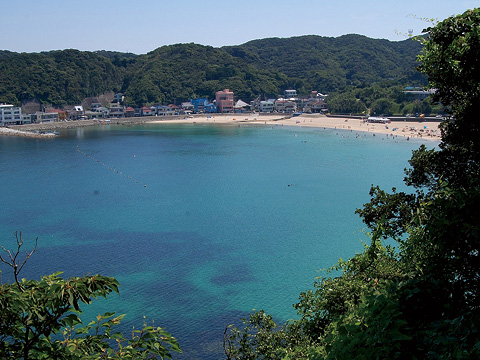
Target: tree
438 227
345 103
39 319
419 299
382 106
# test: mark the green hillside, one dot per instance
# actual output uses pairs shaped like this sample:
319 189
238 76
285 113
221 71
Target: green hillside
179 72
329 64
57 77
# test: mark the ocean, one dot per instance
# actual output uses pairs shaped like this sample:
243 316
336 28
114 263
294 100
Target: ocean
201 224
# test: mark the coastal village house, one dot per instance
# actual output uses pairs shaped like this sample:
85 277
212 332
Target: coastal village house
288 102
10 115
202 105
167 110
267 106
187 107
285 106
102 112
146 111
316 106
224 100
129 112
44 117
117 110
76 112
62 115
290 94
241 106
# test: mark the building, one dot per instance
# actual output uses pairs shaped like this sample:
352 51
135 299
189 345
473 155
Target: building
266 106
62 115
95 106
102 112
199 105
129 112
419 93
146 111
290 94
26 118
117 110
202 105
241 106
316 107
224 101
10 115
45 117
76 113
210 108
285 106
167 110
118 98
187 107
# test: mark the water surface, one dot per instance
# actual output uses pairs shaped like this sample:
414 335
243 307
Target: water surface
199 223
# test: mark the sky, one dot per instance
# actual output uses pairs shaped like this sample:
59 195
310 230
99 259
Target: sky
142 26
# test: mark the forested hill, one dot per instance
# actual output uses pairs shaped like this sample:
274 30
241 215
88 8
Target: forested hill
179 72
326 63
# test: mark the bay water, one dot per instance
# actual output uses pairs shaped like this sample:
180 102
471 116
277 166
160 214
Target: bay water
201 224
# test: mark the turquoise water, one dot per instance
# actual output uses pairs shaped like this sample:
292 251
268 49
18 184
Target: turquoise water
200 224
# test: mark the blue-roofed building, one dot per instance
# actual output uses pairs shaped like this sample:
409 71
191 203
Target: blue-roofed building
210 108
202 105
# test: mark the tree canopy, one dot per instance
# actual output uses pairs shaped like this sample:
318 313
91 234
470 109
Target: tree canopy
176 73
418 297
39 319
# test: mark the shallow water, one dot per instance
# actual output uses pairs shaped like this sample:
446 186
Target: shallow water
199 223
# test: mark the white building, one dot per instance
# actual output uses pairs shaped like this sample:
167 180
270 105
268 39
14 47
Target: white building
420 94
285 106
163 110
266 106
10 115
290 94
26 118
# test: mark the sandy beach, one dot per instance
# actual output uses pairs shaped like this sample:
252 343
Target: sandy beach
406 129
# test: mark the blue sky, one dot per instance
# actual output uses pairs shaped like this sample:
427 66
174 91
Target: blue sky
144 25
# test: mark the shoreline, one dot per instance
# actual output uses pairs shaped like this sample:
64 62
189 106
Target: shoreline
407 129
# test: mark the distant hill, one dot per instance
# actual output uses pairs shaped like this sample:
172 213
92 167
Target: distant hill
57 77
327 64
179 72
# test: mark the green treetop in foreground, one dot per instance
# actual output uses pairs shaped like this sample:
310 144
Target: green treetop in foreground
39 319
419 299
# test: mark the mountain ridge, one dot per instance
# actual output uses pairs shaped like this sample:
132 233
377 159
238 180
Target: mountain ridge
178 72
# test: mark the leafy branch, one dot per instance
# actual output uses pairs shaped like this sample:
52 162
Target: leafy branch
34 313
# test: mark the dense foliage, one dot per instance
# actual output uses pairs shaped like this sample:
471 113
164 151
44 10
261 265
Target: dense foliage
39 319
420 298
181 72
328 64
379 99
175 73
57 77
